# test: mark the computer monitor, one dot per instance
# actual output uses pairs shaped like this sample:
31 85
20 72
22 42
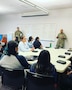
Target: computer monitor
1 37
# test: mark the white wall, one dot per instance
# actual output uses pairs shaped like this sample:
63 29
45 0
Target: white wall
61 18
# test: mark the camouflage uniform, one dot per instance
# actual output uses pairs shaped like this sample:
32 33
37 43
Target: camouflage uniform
18 34
61 40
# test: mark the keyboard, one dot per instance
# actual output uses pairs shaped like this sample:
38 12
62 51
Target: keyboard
34 51
67 53
61 56
61 62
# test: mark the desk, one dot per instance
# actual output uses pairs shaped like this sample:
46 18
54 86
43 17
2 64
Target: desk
56 52
32 62
30 53
54 57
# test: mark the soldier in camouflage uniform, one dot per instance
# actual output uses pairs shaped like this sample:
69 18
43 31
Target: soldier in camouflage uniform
18 34
61 39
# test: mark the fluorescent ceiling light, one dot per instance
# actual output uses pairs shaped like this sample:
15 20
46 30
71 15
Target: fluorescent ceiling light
35 6
34 14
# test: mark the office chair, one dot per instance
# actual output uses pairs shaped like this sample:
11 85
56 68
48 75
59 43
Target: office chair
39 82
14 79
5 88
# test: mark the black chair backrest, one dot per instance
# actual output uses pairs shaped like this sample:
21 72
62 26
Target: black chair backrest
11 73
13 78
39 82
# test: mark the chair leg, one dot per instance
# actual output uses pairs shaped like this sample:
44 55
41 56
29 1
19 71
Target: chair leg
23 87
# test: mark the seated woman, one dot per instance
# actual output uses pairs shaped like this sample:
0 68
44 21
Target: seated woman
14 64
12 60
23 46
37 43
30 40
43 66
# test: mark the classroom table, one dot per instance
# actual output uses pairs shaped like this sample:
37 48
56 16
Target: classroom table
54 57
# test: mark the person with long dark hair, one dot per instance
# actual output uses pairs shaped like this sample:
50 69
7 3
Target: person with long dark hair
30 42
43 66
37 43
13 67
12 60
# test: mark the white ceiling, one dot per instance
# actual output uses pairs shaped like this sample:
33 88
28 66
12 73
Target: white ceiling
15 6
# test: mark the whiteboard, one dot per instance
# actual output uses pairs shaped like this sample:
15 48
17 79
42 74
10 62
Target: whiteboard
45 31
9 37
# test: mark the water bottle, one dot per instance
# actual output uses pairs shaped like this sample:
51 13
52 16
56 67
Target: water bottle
50 45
